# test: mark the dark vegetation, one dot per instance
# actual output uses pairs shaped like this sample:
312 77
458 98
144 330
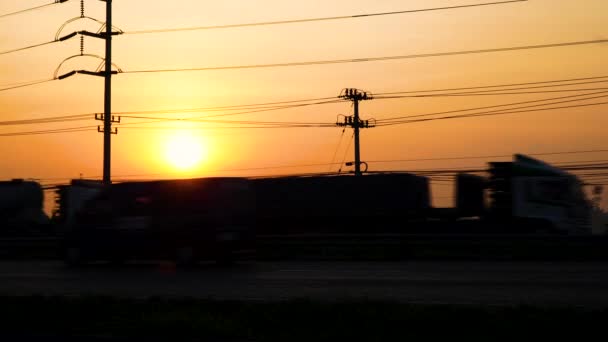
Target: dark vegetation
158 319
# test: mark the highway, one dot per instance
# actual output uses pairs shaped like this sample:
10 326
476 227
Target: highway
493 283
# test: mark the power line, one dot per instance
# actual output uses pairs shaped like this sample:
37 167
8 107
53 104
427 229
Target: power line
407 117
372 59
244 109
50 131
442 92
277 22
204 118
268 106
57 40
83 116
233 107
443 173
436 171
489 156
261 126
322 100
32 8
493 93
350 141
27 84
497 85
436 177
272 109
242 122
87 116
436 180
575 169
88 128
488 107
489 114
604 161
337 149
334 100
27 47
306 20
126 178
277 125
79 117
46 120
256 177
272 22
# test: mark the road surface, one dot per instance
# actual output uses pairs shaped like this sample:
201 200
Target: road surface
494 283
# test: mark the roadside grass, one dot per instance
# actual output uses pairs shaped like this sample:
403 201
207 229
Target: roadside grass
161 319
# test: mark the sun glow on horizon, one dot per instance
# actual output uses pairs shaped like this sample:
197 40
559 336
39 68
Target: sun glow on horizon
184 151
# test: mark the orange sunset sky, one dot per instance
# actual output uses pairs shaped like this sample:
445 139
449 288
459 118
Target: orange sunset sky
147 150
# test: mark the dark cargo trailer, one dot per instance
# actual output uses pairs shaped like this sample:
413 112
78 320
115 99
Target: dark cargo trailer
183 220
372 203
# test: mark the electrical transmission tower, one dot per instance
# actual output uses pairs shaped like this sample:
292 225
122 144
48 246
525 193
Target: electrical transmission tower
356 95
107 117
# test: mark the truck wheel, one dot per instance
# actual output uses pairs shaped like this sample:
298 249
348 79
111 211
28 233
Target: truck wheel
544 227
224 258
73 256
184 256
117 260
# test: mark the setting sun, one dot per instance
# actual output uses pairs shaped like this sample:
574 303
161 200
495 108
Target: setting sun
184 151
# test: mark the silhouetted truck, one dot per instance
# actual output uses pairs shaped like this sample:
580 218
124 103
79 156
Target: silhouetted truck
522 196
21 209
70 199
218 218
525 195
182 220
372 203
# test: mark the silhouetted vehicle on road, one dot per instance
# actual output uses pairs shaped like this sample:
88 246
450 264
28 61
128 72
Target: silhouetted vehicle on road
525 195
216 218
521 196
21 209
181 220
372 203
